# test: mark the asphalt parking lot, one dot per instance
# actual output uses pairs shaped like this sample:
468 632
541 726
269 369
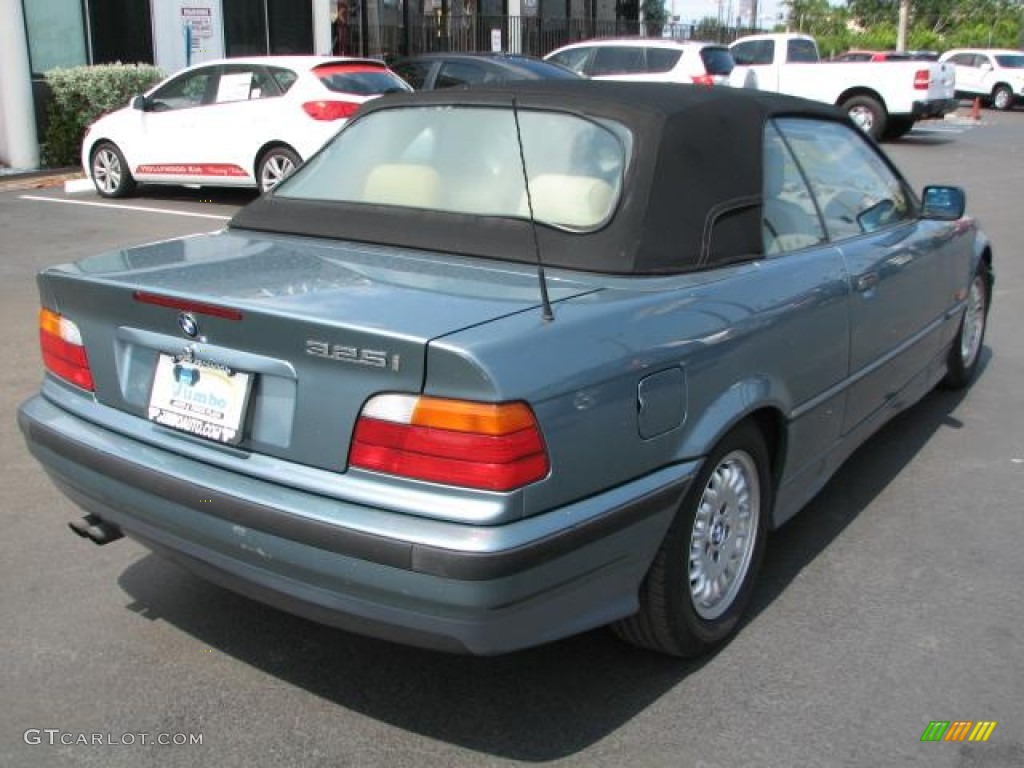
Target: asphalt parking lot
893 600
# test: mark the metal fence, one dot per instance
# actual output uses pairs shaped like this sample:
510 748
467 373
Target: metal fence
532 35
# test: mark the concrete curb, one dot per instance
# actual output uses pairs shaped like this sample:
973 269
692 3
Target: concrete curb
77 186
38 179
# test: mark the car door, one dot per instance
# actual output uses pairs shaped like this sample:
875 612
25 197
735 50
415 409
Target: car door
758 56
985 73
169 142
245 112
966 73
903 270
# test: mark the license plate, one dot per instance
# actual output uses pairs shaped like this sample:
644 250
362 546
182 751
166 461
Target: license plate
198 397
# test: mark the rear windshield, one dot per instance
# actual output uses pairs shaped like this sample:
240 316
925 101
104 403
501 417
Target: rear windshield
1011 61
717 61
466 160
360 79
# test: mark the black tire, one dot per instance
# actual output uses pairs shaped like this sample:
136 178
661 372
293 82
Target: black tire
275 165
898 127
109 171
965 354
671 618
869 115
1002 98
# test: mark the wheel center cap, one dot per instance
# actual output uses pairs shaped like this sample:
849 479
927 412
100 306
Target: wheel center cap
717 534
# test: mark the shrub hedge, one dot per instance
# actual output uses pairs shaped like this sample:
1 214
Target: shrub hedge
81 94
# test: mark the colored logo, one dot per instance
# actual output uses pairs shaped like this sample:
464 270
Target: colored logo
958 730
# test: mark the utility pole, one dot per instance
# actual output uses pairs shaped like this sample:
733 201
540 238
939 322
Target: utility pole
901 31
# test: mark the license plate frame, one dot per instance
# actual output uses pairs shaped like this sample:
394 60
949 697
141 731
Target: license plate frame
200 398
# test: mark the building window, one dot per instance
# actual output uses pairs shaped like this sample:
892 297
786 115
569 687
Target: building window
258 27
122 30
56 34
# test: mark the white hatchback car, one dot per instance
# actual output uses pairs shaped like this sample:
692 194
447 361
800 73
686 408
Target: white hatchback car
244 122
648 59
996 75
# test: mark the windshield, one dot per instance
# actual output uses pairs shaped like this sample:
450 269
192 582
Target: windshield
461 159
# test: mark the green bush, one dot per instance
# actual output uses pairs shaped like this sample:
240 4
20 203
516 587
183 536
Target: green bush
79 95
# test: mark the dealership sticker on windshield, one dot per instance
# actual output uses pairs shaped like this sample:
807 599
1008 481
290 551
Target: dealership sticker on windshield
198 397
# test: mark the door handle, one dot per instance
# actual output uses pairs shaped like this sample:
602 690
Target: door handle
867 281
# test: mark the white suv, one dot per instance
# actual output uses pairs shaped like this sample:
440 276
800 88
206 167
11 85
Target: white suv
648 59
991 73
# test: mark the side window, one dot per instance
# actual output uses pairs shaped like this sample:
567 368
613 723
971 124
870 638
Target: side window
754 52
962 59
455 73
283 78
618 60
662 59
856 190
575 59
188 90
241 83
789 219
800 50
413 72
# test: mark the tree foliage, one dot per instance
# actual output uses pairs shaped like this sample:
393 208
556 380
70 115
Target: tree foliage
81 94
934 24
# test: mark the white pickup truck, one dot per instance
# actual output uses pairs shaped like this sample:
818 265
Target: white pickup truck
884 98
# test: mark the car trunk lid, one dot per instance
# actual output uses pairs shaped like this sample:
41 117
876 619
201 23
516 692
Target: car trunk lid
314 328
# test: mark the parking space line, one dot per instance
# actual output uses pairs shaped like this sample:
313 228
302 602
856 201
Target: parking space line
142 208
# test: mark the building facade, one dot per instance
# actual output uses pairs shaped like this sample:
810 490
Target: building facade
38 35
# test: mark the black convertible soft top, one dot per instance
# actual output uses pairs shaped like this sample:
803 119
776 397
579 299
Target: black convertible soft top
691 196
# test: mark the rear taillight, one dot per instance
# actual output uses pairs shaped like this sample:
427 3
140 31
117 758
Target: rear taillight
922 79
63 351
703 80
493 447
330 109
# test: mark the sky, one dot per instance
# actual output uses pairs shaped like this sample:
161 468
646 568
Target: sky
690 10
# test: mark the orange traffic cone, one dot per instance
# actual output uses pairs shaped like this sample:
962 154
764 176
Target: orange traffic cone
976 109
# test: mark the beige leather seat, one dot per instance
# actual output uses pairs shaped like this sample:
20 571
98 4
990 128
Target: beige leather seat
572 201
412 185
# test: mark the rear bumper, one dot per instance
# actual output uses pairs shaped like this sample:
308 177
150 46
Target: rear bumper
934 108
481 589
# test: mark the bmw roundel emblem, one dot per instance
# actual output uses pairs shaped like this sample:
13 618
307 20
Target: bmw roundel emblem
188 325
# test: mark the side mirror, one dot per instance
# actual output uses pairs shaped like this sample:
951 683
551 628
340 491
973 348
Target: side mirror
139 102
943 203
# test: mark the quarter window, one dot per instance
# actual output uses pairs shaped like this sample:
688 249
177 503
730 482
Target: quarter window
855 189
